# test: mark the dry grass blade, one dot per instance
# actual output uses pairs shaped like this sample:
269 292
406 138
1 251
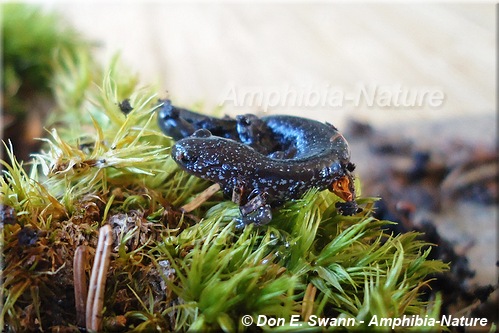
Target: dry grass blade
80 283
308 302
202 197
95 300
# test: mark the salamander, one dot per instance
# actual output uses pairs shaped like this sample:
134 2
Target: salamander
262 162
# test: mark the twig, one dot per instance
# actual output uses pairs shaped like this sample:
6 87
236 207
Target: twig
80 283
95 300
460 179
202 197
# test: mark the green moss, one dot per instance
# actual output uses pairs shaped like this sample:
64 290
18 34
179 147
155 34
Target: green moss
178 271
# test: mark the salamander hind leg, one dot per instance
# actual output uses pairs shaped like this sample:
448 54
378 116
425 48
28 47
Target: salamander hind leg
348 208
172 122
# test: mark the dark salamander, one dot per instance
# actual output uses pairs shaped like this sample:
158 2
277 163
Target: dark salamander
262 162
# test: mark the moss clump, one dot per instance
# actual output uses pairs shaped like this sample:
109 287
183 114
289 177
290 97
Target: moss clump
35 45
30 38
170 270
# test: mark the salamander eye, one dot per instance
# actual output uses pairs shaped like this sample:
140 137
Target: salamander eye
202 133
180 154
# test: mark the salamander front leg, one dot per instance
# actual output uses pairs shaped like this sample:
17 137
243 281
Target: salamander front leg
255 211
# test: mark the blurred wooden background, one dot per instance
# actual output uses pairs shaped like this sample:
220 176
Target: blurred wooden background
198 52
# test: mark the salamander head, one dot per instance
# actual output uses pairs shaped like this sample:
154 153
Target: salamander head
193 153
206 156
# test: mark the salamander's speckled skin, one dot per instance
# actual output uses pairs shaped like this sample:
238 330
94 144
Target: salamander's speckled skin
304 154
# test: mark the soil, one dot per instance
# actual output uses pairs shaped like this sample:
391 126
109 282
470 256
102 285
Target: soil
444 186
